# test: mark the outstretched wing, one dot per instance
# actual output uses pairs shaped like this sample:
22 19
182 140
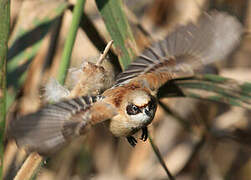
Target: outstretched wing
48 129
212 38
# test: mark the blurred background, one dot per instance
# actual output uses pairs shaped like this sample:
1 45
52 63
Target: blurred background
197 139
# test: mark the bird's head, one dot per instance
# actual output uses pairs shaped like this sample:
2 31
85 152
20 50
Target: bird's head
140 107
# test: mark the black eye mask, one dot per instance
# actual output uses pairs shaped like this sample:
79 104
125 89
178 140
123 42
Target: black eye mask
132 109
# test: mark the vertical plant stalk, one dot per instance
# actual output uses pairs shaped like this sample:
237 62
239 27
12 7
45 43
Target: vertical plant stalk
65 61
4 35
160 158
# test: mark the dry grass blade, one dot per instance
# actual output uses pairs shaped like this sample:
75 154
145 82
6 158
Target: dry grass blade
29 167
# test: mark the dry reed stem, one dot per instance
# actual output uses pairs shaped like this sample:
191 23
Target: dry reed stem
29 167
103 55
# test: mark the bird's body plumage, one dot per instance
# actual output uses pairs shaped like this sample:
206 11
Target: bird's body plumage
131 103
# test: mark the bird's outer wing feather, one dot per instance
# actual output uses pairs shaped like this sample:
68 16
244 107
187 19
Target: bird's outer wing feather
212 38
50 128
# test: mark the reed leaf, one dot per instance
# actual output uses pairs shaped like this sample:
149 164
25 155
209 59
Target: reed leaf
119 30
210 87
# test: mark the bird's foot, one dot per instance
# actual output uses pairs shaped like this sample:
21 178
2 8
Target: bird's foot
132 141
144 135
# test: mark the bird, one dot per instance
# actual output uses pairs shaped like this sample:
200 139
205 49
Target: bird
130 103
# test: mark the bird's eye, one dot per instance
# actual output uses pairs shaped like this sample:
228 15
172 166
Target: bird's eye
131 109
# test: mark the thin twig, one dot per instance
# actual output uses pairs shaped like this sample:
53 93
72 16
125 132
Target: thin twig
159 156
103 55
